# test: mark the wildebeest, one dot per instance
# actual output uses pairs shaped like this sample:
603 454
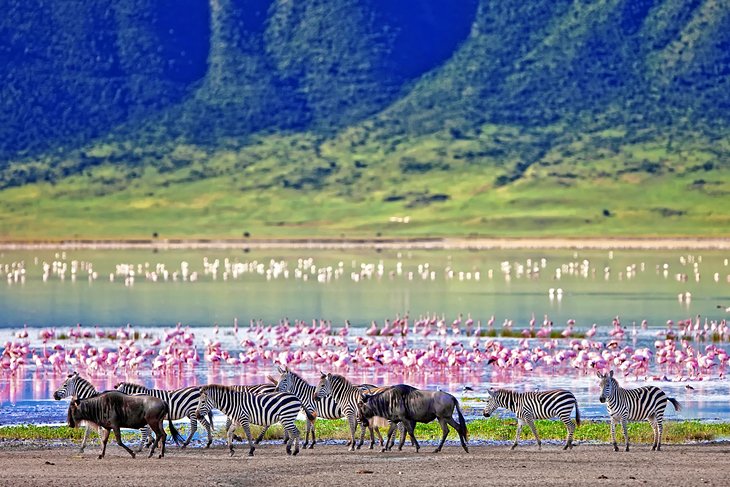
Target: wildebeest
406 404
113 410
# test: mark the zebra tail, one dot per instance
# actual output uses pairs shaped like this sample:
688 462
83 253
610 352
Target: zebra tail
174 432
210 419
577 414
462 421
675 403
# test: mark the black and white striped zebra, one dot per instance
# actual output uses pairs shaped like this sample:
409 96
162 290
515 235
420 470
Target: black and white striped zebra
253 389
246 408
77 386
529 406
182 403
645 403
347 396
325 408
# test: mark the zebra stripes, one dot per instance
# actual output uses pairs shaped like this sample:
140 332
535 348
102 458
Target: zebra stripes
183 403
645 403
325 408
77 386
347 396
246 408
529 406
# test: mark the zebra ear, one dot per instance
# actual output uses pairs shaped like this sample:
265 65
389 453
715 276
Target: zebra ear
610 374
599 374
281 371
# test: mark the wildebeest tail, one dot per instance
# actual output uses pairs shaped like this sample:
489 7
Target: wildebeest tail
675 403
462 421
174 432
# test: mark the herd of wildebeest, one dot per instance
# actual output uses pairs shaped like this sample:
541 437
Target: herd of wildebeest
281 400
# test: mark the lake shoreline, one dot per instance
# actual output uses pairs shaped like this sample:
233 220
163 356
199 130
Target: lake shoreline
435 243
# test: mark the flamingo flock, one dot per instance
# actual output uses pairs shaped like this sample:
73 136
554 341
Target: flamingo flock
426 344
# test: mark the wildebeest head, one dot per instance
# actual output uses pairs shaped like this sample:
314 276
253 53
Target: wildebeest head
490 405
324 387
365 408
74 412
68 388
608 385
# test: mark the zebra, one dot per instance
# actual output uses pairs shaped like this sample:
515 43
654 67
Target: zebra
246 408
529 406
347 396
183 403
325 408
645 403
77 386
254 389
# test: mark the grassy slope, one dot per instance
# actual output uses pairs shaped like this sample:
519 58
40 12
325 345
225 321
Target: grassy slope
598 183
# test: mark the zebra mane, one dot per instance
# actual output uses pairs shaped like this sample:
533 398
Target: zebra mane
340 379
132 384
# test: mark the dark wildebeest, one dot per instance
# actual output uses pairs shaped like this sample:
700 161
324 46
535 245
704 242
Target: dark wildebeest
406 404
113 410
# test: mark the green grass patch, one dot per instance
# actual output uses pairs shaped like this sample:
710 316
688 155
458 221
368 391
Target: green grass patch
494 429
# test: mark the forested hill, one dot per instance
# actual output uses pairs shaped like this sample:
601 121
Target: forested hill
347 94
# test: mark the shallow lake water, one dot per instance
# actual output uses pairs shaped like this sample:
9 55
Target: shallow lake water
152 291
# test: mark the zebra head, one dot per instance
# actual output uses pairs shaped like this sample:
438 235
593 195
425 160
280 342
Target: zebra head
324 388
68 388
491 404
204 401
608 385
286 383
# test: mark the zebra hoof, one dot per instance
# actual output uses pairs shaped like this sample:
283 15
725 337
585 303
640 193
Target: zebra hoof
100 457
296 451
310 446
160 455
437 450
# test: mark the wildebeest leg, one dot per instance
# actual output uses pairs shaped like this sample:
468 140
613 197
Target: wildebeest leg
391 430
193 429
104 439
410 427
458 428
160 437
445 431
372 437
118 435
247 430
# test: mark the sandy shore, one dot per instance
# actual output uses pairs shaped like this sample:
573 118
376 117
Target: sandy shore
588 465
384 243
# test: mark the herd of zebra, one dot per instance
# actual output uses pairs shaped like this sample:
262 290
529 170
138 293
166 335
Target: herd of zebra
280 401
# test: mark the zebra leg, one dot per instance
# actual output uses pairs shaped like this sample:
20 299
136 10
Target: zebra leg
624 426
445 430
247 430
235 437
313 436
660 433
208 429
353 427
654 428
613 434
193 429
261 435
519 432
86 435
363 426
570 425
231 429
532 426
118 435
402 430
104 439
293 434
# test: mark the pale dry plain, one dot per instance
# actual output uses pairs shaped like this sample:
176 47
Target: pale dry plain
589 465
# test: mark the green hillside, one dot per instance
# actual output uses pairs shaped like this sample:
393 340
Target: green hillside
364 118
